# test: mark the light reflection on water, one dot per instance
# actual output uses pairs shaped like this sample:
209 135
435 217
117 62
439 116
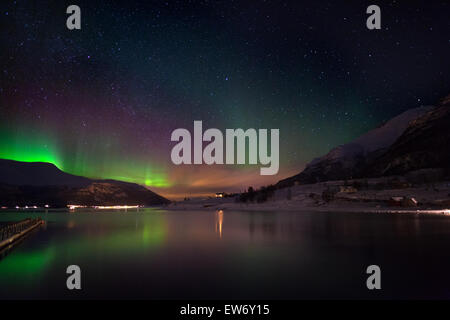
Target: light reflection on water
219 222
186 254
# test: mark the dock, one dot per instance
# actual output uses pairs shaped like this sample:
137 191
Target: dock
13 231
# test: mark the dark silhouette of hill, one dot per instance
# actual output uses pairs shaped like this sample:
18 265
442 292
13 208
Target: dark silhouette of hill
38 183
19 173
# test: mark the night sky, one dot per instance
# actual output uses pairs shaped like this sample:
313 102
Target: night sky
102 101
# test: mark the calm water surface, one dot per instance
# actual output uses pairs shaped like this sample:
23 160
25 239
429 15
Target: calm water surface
211 255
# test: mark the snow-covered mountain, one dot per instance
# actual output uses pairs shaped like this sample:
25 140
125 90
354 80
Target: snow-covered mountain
376 139
351 160
424 144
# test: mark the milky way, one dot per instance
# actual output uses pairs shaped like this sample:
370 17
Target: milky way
102 101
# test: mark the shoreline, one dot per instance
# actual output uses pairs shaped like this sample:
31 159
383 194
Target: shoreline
261 208
399 198
323 208
270 206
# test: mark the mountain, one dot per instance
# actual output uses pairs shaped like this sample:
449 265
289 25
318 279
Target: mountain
19 173
417 138
424 144
38 183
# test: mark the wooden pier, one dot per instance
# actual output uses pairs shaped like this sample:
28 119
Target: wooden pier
12 232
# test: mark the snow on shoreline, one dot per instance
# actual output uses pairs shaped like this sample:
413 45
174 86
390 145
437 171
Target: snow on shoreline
433 199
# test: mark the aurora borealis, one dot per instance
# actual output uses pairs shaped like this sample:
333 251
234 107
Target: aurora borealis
102 101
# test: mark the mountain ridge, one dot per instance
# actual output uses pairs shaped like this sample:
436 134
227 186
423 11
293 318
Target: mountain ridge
42 183
368 155
425 143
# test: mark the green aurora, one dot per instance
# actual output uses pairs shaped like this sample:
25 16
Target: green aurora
92 161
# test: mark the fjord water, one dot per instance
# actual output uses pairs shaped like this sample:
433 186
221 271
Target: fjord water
161 254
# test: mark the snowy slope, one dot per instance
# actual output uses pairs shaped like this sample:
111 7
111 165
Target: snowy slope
350 160
379 138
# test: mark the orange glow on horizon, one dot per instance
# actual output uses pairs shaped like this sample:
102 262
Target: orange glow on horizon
205 181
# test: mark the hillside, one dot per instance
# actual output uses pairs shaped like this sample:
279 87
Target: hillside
424 144
416 139
40 184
